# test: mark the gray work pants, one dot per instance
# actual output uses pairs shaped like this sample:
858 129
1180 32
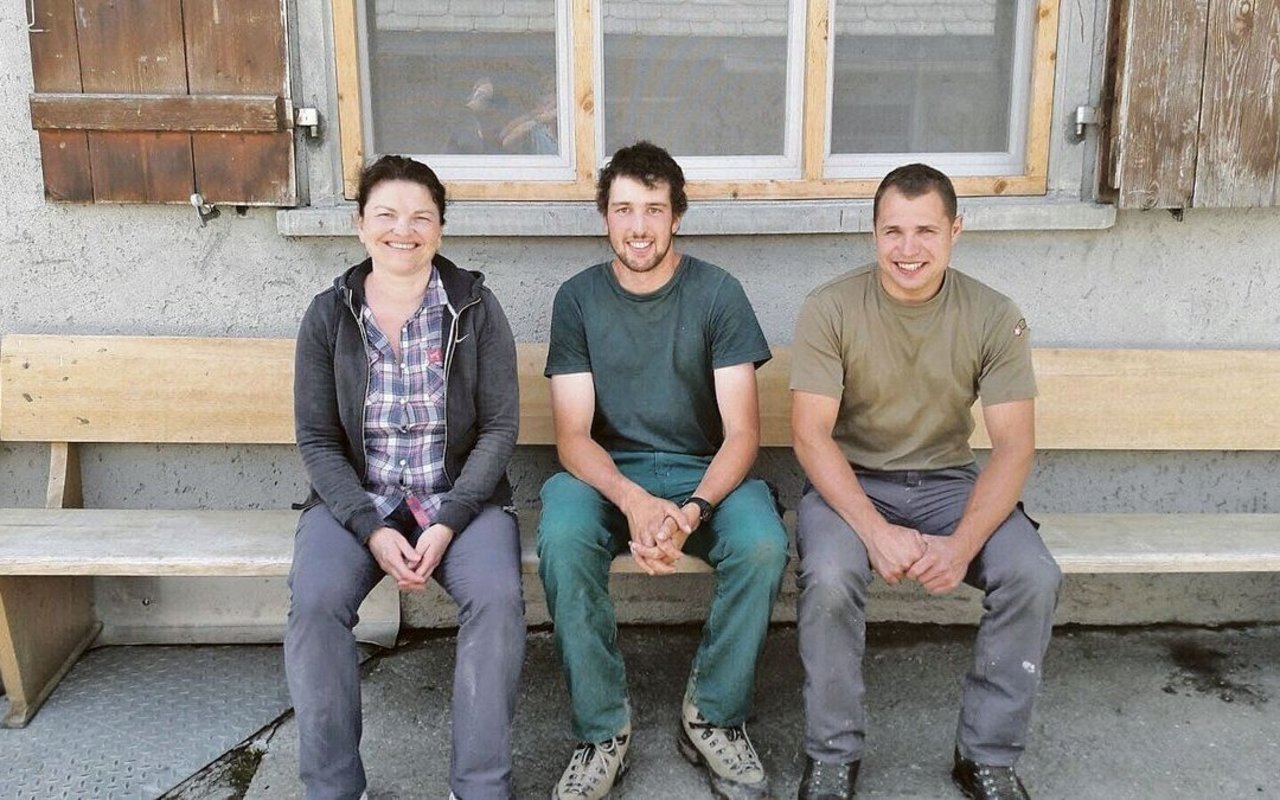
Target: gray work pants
332 573
1014 569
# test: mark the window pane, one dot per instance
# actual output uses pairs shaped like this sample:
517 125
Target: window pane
699 77
462 76
922 77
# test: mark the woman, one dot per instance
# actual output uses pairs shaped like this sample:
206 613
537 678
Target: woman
406 409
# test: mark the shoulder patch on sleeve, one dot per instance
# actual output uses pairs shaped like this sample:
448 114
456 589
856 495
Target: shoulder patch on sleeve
1021 327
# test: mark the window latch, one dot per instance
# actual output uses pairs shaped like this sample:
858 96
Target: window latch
308 118
1085 116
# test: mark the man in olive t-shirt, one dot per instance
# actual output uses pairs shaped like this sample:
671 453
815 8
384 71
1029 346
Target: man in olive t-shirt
652 364
888 361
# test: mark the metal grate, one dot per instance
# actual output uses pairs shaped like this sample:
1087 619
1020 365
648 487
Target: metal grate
133 722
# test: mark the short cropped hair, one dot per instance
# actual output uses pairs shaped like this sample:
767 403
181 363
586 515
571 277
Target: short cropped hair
916 180
399 168
649 164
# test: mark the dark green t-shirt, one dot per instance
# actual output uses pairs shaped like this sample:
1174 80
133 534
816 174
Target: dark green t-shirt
652 355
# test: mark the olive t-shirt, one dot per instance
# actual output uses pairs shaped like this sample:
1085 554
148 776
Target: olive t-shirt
906 375
652 355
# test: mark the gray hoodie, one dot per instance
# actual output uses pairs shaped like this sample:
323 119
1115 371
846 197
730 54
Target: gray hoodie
482 400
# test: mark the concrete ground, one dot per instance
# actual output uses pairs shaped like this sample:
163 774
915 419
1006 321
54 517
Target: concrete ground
1125 714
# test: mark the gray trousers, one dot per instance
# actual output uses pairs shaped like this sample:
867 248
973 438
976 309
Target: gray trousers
1014 569
332 573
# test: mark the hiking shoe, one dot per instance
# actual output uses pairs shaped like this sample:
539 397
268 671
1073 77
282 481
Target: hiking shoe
987 782
828 781
594 768
732 764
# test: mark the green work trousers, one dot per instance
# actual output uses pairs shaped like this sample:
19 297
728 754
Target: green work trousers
580 533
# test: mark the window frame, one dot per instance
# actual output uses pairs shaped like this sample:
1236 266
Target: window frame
585 63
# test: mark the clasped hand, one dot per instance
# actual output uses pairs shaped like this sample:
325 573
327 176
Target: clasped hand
936 562
658 529
410 565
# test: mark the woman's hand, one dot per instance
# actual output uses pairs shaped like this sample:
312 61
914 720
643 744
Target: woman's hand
397 558
431 546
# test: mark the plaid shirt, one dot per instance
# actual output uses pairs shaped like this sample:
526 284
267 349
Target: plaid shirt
404 423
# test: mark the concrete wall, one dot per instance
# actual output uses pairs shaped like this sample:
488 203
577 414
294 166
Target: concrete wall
1210 280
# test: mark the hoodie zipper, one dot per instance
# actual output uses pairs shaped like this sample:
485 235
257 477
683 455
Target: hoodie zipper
364 398
448 363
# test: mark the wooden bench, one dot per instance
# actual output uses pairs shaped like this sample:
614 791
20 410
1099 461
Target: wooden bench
66 390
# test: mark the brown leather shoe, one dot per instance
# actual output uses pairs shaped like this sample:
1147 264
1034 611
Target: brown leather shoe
987 782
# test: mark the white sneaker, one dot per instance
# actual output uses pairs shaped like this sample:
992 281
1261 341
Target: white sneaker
731 761
594 768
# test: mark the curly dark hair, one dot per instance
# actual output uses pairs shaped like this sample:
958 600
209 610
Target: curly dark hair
915 180
649 164
399 168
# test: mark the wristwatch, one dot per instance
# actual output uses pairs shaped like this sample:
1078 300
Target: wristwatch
704 508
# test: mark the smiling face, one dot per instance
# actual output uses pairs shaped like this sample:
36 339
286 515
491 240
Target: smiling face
400 227
913 238
641 225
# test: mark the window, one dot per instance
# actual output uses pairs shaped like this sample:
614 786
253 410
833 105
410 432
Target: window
525 99
478 88
948 81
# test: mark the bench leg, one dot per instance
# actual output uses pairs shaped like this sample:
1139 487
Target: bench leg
46 622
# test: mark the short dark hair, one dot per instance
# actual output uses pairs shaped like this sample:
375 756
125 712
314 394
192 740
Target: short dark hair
915 180
649 164
399 168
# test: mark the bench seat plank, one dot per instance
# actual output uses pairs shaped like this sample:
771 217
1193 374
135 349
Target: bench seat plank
76 541
260 543
1097 543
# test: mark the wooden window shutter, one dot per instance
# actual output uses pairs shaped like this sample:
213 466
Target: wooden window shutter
1194 118
149 101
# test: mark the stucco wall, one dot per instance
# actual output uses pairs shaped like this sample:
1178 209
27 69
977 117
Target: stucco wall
1210 280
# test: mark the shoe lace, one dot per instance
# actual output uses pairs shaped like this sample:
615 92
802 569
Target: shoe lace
829 779
588 766
731 744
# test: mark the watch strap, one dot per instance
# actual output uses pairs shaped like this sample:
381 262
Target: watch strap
704 507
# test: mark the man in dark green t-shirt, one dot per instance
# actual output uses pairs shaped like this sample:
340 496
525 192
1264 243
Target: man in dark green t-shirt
652 364
887 363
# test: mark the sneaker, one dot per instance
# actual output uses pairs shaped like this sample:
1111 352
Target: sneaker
987 782
828 781
731 762
594 768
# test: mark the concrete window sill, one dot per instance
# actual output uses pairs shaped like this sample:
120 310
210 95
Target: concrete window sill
717 217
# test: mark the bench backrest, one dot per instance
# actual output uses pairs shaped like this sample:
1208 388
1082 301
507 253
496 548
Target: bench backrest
200 390
146 389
